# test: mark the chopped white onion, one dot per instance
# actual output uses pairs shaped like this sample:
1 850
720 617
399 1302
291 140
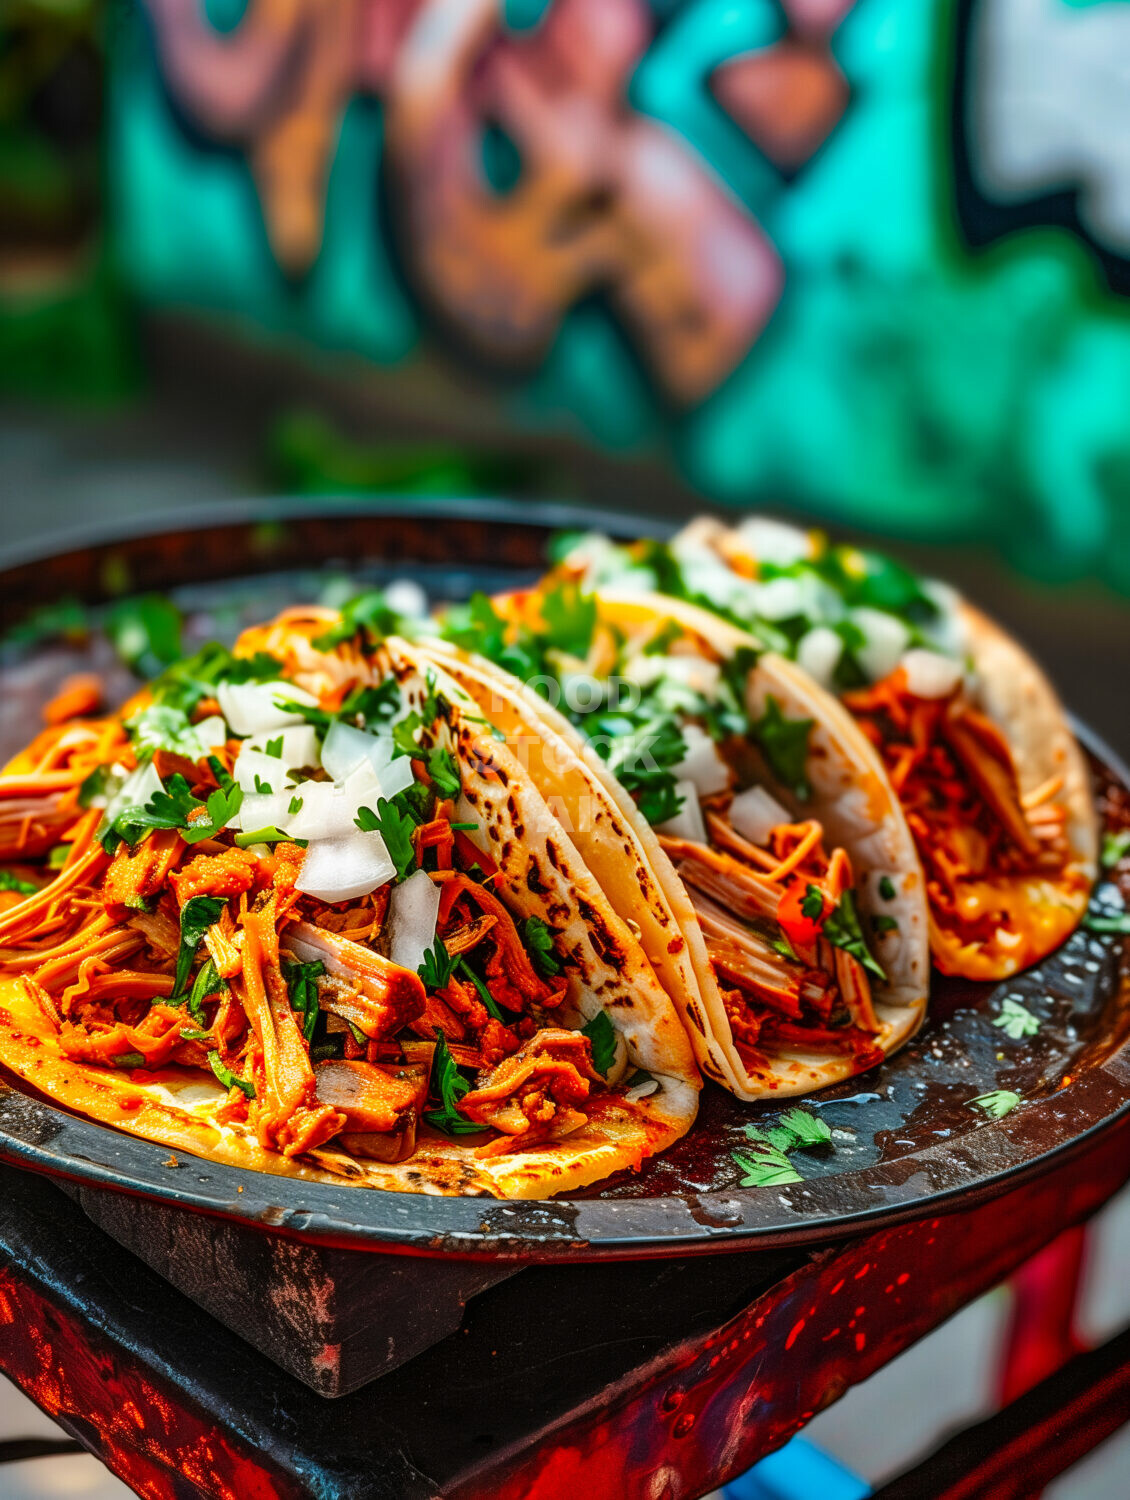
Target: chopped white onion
299 745
346 748
329 811
781 599
252 765
264 810
138 787
396 777
885 638
343 869
412 912
929 674
702 764
249 707
755 814
687 822
210 734
641 1090
819 652
775 541
404 596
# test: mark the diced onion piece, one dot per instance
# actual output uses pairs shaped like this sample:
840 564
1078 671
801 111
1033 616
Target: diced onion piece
330 811
641 1090
819 653
138 787
343 869
754 814
702 765
885 638
404 596
412 911
396 777
781 599
210 733
263 810
252 764
772 541
687 822
929 674
346 748
299 745
249 707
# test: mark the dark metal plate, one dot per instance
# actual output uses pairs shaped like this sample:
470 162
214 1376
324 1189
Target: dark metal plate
907 1143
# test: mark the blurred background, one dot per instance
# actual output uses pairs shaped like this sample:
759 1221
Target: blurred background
861 262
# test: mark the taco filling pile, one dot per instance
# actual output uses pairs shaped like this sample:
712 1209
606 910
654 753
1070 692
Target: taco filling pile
975 743
300 901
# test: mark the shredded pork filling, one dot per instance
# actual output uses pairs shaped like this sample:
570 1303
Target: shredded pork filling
113 950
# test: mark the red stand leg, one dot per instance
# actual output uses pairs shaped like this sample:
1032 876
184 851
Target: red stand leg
1041 1334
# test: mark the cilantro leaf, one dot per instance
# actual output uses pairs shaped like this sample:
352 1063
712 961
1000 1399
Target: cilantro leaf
367 615
302 988
998 1102
477 626
229 1079
765 1166
812 906
1116 922
394 826
642 760
12 882
444 772
807 1129
570 618
842 929
172 808
145 632
887 888
1015 1020
602 1036
1115 847
785 744
728 713
539 940
207 982
363 707
437 967
450 1085
196 916
404 735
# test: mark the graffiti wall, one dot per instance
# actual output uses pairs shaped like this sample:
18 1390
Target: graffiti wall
869 259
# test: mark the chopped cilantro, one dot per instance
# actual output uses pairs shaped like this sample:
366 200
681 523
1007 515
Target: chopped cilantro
812 906
183 684
444 772
404 735
229 1079
785 743
145 632
842 929
782 945
1015 1020
97 785
882 924
539 940
367 615
449 1085
274 747
1116 922
172 808
194 1034
394 826
207 982
998 1102
887 888
437 967
642 759
295 805
602 1037
196 916
129 1060
302 987
797 1130
570 618
268 835
1115 847
764 1165
477 626
12 882
664 638
58 855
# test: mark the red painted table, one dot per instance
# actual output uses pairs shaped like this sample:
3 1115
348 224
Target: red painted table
657 1379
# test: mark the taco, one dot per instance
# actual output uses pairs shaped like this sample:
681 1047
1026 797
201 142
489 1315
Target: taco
975 742
733 814
333 934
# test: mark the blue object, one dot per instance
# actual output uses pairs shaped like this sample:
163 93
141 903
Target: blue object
798 1471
